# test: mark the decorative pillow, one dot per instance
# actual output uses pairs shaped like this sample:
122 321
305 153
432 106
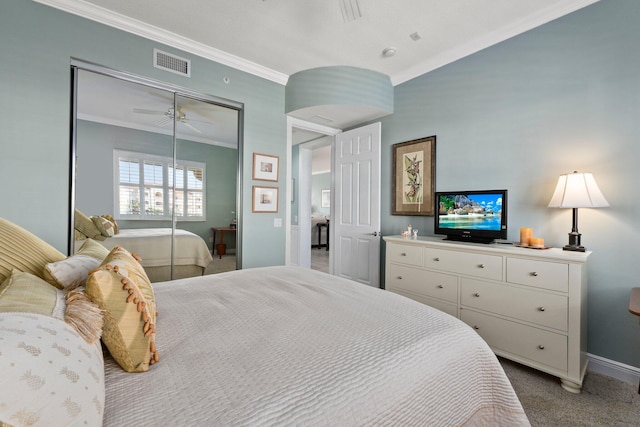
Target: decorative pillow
76 268
116 229
104 225
50 376
83 224
24 292
122 289
23 251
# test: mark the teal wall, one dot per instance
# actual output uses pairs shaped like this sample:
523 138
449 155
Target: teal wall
36 45
562 97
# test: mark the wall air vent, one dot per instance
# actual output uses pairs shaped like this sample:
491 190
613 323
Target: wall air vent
175 64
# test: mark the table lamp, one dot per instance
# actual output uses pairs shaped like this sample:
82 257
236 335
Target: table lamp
577 190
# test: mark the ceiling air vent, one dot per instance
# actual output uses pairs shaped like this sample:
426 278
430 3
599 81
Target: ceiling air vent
175 64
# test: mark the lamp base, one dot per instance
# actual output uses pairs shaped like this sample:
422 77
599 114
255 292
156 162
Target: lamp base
574 241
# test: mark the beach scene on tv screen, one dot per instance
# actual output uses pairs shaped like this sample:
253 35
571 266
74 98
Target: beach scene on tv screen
476 212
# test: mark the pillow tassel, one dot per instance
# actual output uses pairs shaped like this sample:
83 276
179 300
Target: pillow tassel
83 315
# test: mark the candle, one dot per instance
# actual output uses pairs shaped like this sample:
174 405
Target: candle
536 242
525 235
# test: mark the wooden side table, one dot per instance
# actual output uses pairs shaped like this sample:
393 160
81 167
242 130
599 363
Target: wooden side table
320 226
221 247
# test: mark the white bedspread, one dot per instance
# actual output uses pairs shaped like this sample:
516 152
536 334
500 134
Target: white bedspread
153 245
292 346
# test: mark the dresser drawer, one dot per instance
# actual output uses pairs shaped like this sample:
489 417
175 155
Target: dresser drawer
428 283
406 254
471 264
539 307
447 307
541 274
540 346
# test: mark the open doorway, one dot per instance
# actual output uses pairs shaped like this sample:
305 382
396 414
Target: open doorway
321 204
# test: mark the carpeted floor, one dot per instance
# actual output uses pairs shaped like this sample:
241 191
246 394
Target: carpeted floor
604 401
218 265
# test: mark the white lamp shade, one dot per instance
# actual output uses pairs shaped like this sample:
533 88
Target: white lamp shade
577 190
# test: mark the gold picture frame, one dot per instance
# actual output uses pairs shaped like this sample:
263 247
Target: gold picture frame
265 167
265 199
414 165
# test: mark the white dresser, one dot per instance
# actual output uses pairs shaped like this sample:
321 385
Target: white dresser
529 305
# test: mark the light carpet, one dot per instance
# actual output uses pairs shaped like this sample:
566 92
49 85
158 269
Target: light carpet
604 401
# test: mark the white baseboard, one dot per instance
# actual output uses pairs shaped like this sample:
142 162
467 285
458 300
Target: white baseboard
611 368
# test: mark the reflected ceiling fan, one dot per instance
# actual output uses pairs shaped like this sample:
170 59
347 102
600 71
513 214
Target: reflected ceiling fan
181 117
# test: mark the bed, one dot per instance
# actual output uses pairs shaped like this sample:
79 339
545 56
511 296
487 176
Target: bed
153 245
265 346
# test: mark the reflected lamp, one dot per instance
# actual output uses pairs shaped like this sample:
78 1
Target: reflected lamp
577 190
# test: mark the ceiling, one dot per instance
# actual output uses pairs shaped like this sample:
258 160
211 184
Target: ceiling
274 39
277 38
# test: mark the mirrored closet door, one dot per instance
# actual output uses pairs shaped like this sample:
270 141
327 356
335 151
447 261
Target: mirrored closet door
155 169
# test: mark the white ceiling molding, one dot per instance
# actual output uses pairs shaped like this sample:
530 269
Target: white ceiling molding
490 39
139 28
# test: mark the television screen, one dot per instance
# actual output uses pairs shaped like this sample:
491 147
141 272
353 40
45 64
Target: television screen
475 216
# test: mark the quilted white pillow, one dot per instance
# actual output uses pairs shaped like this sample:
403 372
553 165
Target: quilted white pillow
50 375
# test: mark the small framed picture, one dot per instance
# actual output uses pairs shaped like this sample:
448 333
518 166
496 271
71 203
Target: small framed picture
265 167
325 202
265 199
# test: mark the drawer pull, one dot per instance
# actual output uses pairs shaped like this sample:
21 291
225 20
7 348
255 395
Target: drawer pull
403 254
534 273
476 327
399 277
440 286
476 295
436 259
541 347
541 308
481 266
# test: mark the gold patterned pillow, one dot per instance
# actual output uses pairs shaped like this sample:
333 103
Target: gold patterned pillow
122 289
84 225
22 250
24 292
104 225
50 376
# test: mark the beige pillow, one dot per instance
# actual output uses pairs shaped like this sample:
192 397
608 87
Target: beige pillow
122 289
83 224
50 376
24 292
76 268
104 225
22 250
116 229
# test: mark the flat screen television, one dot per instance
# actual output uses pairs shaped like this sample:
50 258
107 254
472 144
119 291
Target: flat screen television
471 216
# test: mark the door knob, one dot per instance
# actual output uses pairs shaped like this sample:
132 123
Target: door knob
375 233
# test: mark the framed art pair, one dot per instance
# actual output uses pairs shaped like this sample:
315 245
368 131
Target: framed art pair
265 198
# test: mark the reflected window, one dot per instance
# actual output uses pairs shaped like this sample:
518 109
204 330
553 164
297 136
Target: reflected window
145 187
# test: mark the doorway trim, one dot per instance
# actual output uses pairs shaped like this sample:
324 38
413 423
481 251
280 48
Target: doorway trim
292 123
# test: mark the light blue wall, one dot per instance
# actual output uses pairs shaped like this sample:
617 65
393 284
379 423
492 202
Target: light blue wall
36 44
562 97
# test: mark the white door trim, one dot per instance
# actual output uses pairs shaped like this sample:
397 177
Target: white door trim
292 122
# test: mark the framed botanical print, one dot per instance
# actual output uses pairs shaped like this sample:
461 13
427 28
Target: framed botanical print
265 167
414 177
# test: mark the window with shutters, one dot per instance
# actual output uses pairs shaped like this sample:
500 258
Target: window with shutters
147 186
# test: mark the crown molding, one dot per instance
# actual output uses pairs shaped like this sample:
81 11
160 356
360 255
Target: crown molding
525 24
104 16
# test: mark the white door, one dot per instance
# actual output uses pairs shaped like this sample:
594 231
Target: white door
355 218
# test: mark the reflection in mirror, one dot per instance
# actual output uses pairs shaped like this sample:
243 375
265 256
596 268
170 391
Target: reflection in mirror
155 173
